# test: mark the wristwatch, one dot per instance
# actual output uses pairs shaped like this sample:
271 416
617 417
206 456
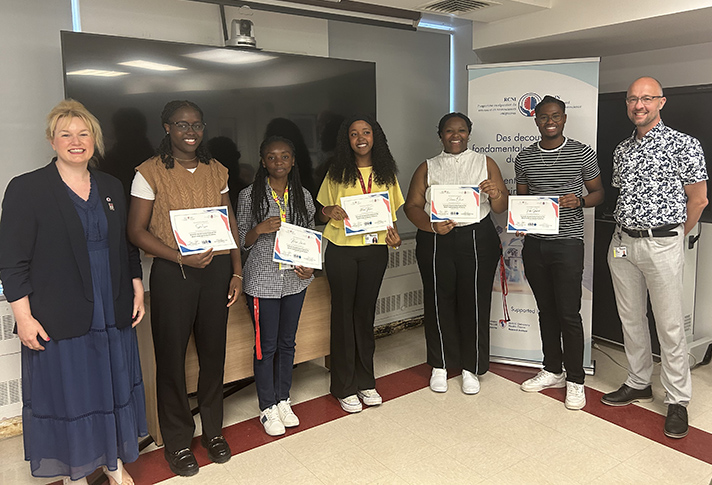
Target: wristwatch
582 201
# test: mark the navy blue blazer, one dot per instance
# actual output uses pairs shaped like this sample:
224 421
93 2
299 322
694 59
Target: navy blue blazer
43 251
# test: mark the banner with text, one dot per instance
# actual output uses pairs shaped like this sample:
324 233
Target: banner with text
501 105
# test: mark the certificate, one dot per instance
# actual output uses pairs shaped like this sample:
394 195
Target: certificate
197 230
460 203
533 214
367 213
297 246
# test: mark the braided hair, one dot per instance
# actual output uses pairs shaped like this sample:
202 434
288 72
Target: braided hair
165 149
343 170
298 213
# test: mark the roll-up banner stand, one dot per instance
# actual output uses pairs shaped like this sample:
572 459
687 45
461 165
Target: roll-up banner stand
501 105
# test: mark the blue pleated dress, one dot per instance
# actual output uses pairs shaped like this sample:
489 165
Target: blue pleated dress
83 397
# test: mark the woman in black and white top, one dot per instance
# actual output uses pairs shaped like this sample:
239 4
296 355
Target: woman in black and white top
274 291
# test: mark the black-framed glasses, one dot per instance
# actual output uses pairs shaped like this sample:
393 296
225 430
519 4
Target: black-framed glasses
184 125
556 117
646 100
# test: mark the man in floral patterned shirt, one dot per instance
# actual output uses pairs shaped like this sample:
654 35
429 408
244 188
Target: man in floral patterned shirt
661 174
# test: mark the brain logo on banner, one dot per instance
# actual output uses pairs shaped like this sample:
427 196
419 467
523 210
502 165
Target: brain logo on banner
527 103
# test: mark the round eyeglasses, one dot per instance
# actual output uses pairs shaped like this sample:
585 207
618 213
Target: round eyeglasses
184 125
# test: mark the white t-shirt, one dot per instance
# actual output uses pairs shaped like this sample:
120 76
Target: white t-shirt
140 187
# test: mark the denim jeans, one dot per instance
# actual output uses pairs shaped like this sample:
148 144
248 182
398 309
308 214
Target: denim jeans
554 269
278 320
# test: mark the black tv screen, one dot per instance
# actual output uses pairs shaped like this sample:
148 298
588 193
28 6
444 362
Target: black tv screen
125 83
687 109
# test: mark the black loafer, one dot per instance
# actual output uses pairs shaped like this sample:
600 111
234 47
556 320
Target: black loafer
182 462
676 421
218 449
626 395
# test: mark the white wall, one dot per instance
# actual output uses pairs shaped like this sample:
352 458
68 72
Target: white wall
677 66
31 81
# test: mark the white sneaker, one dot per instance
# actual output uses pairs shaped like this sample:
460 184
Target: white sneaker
270 420
370 397
289 419
575 396
543 380
470 382
438 380
351 404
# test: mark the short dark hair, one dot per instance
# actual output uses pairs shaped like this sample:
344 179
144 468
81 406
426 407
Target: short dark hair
449 116
549 100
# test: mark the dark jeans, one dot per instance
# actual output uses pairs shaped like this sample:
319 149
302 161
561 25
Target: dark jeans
196 304
554 269
278 320
355 274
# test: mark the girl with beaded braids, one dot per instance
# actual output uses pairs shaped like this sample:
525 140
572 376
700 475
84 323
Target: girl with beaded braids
355 265
188 293
275 292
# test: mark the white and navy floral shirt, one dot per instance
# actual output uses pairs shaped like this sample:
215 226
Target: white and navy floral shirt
651 174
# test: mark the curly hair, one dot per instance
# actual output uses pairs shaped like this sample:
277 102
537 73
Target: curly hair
165 149
343 170
299 215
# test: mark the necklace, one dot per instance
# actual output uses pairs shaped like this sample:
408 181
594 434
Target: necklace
558 153
185 159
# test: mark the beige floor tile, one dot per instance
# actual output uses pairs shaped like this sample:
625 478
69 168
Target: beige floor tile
530 471
626 475
213 474
511 397
441 467
612 439
663 462
525 434
579 462
398 449
555 415
301 476
353 466
318 444
389 479
268 460
486 455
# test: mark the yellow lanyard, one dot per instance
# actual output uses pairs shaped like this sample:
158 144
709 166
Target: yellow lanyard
282 210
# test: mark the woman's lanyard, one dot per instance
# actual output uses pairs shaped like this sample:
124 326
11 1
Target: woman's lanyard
363 185
282 212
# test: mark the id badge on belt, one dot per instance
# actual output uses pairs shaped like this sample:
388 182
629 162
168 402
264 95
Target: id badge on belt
620 252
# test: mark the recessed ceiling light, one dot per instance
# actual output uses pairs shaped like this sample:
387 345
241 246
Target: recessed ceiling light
96 72
231 56
153 66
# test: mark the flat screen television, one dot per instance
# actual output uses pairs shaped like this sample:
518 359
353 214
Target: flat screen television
125 83
687 109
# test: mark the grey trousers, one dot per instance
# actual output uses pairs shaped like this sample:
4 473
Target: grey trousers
654 264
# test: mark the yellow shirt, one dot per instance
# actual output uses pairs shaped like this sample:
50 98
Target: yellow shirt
331 192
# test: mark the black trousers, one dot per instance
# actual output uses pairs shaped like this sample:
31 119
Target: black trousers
458 270
178 307
554 269
355 276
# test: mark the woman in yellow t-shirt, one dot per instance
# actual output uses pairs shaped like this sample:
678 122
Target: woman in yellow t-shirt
355 264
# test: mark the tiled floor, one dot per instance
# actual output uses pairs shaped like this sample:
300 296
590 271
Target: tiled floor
500 436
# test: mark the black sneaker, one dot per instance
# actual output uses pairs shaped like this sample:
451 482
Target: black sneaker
218 449
626 395
676 421
182 462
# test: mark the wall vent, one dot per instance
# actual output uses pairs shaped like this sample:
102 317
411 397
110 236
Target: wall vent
399 302
7 324
10 392
457 7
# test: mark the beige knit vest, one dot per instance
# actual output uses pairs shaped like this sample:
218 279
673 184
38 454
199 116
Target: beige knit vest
176 188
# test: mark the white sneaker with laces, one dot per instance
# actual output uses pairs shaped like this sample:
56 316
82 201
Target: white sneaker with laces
438 380
575 396
351 404
470 382
289 419
544 380
370 397
271 422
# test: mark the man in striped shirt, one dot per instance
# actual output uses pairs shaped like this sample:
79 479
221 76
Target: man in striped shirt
553 264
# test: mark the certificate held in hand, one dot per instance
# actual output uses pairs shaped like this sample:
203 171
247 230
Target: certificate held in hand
367 213
297 246
197 230
460 203
533 214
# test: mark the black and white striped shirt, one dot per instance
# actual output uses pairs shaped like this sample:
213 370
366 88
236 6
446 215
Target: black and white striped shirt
560 171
